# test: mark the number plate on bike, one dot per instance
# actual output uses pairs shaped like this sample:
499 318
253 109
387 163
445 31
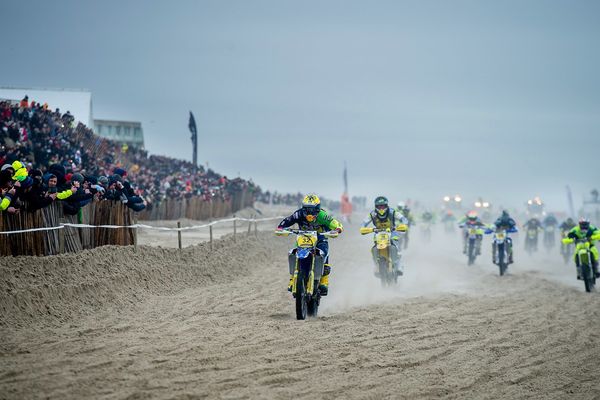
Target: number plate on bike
306 241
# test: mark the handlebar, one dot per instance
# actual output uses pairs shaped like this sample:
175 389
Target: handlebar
286 232
365 230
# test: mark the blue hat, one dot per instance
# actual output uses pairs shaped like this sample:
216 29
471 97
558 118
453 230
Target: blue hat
27 182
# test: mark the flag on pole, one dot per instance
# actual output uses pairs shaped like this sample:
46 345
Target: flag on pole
192 126
194 131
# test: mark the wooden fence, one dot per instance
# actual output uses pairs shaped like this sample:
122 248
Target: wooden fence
197 208
68 239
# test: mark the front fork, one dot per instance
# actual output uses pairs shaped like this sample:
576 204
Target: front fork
310 287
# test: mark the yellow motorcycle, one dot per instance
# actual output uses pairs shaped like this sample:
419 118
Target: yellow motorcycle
473 237
583 256
306 265
387 271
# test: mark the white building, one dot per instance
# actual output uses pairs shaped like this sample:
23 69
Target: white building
77 101
121 131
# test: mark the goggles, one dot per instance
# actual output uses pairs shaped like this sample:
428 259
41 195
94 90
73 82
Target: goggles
311 213
381 206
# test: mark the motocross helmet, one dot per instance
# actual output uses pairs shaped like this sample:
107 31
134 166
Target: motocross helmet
382 206
584 224
311 205
505 214
472 216
570 221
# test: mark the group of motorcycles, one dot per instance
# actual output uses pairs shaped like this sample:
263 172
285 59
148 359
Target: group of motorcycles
306 264
501 245
549 240
502 249
306 261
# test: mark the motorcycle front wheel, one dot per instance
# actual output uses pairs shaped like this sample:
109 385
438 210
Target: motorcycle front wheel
301 298
589 280
502 262
471 252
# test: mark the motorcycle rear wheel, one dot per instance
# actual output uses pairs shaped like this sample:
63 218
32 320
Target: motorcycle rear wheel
313 303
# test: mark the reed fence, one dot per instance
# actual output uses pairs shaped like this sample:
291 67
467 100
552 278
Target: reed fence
72 239
67 239
197 208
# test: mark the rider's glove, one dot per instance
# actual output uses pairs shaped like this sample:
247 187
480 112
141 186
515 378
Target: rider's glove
338 230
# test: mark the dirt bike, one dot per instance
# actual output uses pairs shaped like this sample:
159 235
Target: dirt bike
501 248
583 256
531 240
426 231
472 235
386 270
306 266
549 239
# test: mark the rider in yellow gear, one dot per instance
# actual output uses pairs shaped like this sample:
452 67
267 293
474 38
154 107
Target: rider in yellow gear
311 217
585 230
384 217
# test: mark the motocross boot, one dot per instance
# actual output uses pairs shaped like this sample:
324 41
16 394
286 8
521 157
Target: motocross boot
595 268
479 240
324 282
291 284
494 261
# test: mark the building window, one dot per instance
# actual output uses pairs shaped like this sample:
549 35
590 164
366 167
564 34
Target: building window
118 130
137 132
127 131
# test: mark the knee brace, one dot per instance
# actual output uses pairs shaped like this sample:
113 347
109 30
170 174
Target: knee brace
326 269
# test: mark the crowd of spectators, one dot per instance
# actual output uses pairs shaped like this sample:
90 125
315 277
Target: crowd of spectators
46 157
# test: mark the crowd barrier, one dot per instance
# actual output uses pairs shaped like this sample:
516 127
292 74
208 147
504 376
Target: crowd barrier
42 232
23 241
197 208
49 231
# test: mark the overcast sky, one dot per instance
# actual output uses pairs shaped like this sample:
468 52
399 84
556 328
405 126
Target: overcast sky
421 98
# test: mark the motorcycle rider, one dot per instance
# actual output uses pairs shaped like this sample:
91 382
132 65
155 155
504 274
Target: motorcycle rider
448 219
427 217
404 210
566 226
384 217
505 222
311 217
550 224
533 224
586 230
471 220
550 221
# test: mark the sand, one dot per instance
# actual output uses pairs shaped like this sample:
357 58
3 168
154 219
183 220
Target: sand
113 324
